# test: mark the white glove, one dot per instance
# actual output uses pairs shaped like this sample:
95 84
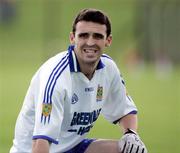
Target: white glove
131 143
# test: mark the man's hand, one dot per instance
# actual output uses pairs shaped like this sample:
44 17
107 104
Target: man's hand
131 143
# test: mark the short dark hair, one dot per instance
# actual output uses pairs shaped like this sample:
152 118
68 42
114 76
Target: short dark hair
93 15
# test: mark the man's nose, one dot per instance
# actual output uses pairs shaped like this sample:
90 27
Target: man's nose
90 41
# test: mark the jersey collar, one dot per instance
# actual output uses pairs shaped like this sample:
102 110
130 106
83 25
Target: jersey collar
73 62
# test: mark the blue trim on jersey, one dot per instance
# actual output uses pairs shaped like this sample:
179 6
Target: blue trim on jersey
100 65
56 80
56 72
73 62
45 138
52 80
132 112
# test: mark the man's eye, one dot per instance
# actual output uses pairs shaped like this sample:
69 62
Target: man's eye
83 35
98 36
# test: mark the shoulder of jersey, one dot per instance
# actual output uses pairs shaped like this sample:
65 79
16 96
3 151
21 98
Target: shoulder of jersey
110 64
107 60
53 61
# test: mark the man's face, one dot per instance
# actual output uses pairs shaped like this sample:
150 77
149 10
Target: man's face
89 39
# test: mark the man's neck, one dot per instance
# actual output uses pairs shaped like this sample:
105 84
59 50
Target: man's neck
88 70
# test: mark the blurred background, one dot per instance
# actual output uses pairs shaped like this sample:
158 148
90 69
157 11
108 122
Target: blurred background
146 47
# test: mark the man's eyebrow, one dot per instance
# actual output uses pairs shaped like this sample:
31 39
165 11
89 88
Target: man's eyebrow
98 35
83 33
95 35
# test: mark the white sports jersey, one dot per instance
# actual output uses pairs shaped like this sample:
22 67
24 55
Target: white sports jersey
62 104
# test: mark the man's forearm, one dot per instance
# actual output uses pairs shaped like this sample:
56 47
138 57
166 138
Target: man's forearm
40 146
129 121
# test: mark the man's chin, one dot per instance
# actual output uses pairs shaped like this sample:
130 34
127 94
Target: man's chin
90 62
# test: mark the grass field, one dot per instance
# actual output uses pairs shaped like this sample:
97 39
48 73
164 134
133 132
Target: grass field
157 100
31 40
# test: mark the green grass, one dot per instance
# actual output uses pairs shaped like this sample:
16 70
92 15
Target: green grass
35 36
158 102
156 98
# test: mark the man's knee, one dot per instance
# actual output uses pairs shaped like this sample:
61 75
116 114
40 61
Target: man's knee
103 146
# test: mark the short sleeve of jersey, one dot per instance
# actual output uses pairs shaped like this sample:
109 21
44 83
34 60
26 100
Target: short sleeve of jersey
48 107
118 102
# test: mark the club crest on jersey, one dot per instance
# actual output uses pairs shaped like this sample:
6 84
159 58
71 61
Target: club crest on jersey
99 93
46 109
74 99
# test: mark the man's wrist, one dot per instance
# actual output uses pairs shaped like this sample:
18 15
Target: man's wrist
130 131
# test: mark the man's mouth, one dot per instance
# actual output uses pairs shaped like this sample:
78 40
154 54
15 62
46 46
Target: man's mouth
89 50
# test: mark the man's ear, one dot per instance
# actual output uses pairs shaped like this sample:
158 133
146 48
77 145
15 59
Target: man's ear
71 38
108 41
